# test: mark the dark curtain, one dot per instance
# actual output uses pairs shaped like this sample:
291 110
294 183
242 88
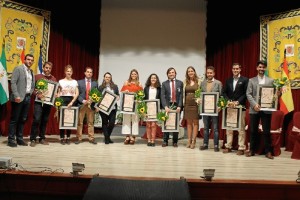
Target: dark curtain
232 36
73 40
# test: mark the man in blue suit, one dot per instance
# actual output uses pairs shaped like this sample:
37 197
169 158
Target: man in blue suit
171 98
85 85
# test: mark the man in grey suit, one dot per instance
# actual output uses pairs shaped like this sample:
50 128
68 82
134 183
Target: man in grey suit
22 86
84 87
210 84
171 99
256 114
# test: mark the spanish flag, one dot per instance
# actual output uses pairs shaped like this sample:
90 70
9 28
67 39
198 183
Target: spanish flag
286 101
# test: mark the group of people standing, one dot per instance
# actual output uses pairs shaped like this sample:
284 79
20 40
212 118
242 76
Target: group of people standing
173 95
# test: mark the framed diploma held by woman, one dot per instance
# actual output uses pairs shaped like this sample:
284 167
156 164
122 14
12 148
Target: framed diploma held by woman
152 109
128 104
266 97
68 117
209 103
172 123
231 118
107 102
49 94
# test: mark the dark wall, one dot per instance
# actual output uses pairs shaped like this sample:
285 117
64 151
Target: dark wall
77 21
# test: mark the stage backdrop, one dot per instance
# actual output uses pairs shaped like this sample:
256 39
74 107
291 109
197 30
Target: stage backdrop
152 36
281 31
24 30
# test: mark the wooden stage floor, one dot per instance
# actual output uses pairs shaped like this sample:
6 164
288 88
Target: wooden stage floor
141 161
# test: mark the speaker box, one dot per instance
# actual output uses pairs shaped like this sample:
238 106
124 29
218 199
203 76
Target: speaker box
110 188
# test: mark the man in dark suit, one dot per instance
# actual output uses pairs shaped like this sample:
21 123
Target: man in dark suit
171 99
22 86
256 114
235 91
85 86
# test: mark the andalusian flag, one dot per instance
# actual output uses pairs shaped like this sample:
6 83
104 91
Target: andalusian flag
3 77
286 101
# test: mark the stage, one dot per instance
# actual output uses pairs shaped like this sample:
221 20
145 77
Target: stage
141 162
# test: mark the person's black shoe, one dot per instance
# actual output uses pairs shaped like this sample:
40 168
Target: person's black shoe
22 143
77 141
110 141
106 141
203 148
164 144
93 141
12 144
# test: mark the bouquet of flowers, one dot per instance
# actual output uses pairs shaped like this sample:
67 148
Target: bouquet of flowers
162 116
280 82
198 95
95 95
142 109
58 102
41 86
139 95
222 103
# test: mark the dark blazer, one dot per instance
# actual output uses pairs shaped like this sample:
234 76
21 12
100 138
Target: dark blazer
239 94
82 90
165 96
115 89
158 94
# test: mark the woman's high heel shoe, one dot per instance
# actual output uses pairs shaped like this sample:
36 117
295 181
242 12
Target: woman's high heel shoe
188 144
193 144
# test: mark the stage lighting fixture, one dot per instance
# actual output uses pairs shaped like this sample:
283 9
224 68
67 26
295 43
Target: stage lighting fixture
77 167
208 174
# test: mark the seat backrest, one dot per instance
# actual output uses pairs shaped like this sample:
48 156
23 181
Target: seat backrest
296 119
277 120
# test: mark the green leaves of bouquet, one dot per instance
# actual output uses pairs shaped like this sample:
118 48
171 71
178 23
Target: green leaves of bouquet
280 82
139 95
41 85
58 102
142 109
162 116
222 103
95 95
198 93
141 105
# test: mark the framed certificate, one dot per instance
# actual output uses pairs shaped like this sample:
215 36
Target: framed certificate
49 93
266 97
68 117
172 123
107 102
209 103
152 109
128 104
232 118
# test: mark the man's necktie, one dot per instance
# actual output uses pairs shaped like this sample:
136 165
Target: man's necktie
88 88
173 91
